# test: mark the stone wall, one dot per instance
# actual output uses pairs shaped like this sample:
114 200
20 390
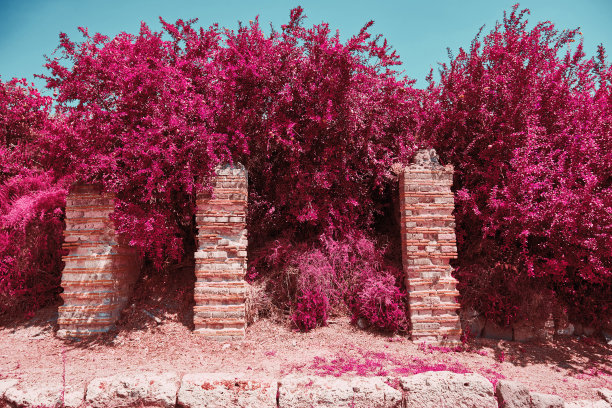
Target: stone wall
221 389
99 271
221 257
428 245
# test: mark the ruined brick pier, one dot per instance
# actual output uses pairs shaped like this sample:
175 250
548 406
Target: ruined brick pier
221 258
428 245
99 270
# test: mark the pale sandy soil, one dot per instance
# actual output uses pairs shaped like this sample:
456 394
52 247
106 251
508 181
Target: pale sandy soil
30 352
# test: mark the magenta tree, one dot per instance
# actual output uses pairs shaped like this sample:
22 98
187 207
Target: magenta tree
132 120
31 203
317 122
526 120
23 114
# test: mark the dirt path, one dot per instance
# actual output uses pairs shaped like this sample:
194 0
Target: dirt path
30 352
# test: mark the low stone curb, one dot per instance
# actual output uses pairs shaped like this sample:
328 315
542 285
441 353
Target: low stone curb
431 389
511 394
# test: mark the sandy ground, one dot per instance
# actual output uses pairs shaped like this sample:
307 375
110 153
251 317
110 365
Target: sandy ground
155 334
30 352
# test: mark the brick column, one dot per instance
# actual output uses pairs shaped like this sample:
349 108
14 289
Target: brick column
221 258
99 272
428 244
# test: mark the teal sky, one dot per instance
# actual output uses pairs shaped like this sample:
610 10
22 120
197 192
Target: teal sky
420 31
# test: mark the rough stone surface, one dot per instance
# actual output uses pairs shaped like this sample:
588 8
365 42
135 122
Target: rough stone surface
587 404
311 391
218 390
99 270
493 331
44 396
428 245
546 401
74 397
605 394
150 389
447 389
473 321
6 384
221 257
511 394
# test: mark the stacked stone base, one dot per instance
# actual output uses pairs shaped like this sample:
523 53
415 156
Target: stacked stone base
99 272
428 242
221 258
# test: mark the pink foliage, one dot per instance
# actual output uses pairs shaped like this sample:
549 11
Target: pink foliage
367 363
317 123
31 204
330 276
382 303
23 115
526 121
31 216
311 311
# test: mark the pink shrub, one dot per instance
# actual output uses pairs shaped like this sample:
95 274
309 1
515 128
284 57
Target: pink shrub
32 220
333 277
311 311
31 204
317 122
382 303
525 119
24 113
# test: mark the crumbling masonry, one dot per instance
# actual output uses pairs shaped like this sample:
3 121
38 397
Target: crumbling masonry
221 258
428 245
100 270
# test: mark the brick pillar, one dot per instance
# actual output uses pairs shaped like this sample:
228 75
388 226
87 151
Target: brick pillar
428 244
99 271
221 258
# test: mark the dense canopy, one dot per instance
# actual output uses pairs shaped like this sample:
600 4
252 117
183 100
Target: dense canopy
523 115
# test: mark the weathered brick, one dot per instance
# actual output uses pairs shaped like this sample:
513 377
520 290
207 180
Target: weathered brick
99 272
428 245
220 290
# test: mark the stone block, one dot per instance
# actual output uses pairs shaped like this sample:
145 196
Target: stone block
511 394
219 390
314 391
546 401
447 389
131 389
44 395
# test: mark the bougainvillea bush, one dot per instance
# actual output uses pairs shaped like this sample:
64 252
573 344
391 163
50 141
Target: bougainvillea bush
527 121
31 204
354 275
317 122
